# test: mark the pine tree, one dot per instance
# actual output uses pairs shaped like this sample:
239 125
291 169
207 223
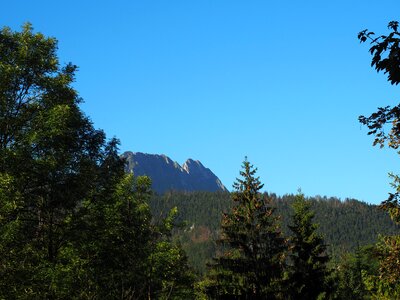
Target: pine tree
251 263
308 258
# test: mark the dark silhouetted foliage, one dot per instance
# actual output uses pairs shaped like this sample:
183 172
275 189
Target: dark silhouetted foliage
307 266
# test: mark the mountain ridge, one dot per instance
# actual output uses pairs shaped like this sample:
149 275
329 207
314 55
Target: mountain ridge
168 175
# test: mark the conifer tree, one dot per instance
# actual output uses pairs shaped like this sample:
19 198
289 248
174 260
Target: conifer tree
308 258
251 263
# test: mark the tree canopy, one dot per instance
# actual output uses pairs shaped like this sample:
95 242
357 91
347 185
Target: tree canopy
73 225
385 51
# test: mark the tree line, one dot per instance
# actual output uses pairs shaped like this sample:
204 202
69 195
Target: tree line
346 224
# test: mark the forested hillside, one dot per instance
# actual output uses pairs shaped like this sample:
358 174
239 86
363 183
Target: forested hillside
345 225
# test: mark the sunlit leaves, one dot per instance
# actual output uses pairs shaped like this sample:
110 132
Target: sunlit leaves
386 285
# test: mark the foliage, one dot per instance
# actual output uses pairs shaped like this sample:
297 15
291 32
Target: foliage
169 272
386 283
171 276
390 62
119 225
49 158
72 224
307 260
385 51
386 58
199 218
352 271
346 225
253 249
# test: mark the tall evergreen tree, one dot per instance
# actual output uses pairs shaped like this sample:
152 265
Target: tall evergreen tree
308 258
253 249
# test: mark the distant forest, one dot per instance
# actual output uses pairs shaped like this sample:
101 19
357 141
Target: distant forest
345 225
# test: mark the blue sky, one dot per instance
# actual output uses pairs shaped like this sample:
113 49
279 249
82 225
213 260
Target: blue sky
282 82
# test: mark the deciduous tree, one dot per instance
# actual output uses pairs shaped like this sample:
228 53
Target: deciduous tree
386 57
384 124
49 158
72 224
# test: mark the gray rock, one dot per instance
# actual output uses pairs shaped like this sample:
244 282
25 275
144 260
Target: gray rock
169 175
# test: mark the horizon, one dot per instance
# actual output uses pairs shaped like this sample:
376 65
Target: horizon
280 83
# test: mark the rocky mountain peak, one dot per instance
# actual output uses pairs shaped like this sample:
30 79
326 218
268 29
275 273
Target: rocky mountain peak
191 165
167 174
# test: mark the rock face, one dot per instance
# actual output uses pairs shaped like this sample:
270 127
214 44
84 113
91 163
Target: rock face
169 175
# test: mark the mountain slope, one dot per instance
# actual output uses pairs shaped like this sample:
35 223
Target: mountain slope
346 225
168 175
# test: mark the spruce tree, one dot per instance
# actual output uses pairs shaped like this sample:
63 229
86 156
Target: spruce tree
308 258
251 263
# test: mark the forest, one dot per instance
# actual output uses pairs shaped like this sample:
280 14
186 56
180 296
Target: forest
345 225
74 225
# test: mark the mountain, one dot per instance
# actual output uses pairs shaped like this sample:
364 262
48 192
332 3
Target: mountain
168 175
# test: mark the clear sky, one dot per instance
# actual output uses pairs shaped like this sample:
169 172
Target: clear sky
282 82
